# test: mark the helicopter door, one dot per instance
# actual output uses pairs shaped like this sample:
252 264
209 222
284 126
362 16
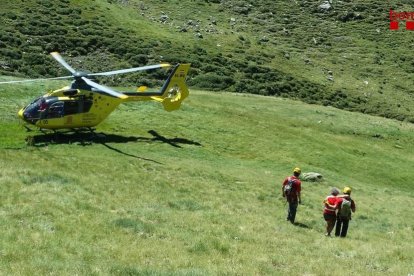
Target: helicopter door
71 107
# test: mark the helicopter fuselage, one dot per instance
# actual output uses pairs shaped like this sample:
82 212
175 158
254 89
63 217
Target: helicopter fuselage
69 108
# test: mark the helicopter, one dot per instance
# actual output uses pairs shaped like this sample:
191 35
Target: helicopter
85 103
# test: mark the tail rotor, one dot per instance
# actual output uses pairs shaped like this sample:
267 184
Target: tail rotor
175 89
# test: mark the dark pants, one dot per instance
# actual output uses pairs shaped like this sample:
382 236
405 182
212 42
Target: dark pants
293 206
341 227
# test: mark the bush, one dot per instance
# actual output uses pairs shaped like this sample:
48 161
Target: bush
246 86
13 54
34 59
212 81
138 60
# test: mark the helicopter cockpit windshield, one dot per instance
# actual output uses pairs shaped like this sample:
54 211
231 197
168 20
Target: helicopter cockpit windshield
37 108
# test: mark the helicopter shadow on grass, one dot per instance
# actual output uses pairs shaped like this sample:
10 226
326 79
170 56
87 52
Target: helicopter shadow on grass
84 138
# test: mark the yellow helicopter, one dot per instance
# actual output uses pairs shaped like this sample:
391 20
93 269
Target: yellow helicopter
85 103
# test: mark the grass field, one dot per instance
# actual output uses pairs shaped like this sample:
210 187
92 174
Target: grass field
197 191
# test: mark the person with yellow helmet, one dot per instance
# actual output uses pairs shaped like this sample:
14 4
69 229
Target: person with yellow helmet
346 206
291 188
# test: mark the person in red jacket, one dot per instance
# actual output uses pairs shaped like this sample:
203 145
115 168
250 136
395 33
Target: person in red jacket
291 189
329 210
346 206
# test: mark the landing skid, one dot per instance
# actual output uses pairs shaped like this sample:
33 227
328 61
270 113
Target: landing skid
84 136
79 130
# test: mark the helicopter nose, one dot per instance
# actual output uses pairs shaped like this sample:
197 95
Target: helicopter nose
20 114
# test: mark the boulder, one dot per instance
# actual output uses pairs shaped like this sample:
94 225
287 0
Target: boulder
325 6
312 177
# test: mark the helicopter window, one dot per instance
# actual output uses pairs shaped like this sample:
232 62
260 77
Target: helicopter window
80 106
36 108
71 107
56 110
36 103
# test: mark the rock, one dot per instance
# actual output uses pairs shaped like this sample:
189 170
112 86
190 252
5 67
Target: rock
350 16
4 65
378 136
164 18
325 6
213 21
264 39
312 177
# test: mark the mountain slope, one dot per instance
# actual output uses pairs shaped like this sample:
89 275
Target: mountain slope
344 56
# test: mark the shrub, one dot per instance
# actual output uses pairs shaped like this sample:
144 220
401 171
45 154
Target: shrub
212 81
138 60
13 54
245 86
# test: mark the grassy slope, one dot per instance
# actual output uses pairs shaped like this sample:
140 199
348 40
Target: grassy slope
371 65
204 198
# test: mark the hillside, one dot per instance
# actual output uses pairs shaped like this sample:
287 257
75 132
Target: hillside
196 192
342 55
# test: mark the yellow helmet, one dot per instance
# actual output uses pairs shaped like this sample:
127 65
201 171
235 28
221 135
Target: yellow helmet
297 170
347 190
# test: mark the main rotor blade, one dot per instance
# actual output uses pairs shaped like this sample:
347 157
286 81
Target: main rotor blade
130 70
33 80
60 59
104 88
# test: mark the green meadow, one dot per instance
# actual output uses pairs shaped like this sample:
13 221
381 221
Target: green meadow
197 191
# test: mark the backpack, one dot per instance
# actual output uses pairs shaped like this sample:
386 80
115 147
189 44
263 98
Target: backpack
345 210
288 189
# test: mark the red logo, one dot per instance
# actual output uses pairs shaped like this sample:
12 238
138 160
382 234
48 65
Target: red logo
395 17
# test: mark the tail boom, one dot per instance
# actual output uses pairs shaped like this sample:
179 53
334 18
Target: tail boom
173 92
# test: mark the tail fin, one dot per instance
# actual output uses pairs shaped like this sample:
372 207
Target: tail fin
174 90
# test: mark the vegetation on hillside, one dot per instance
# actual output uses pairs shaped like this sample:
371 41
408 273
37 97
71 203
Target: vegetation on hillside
344 55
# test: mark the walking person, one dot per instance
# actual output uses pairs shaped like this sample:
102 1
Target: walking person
329 211
291 189
346 206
